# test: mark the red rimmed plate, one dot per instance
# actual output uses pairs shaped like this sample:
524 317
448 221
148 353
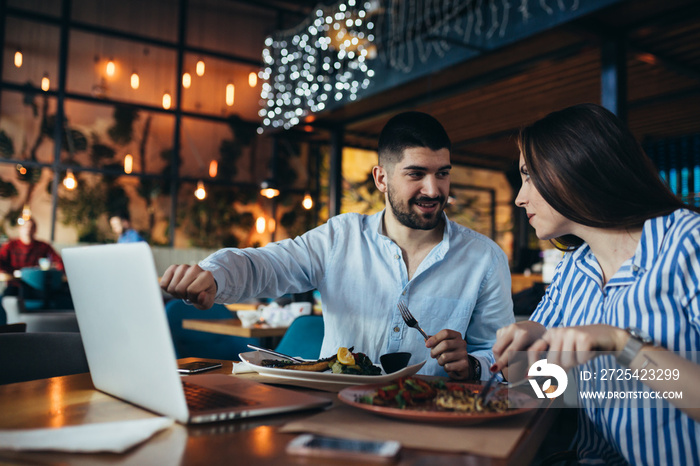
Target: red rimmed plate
523 403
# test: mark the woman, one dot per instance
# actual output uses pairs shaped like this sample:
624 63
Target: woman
632 268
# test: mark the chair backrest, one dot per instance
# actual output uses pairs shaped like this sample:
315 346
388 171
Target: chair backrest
303 337
31 356
44 289
192 343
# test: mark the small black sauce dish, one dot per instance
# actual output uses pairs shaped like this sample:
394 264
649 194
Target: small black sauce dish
393 362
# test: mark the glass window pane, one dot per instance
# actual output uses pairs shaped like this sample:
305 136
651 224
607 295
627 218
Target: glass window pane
229 27
154 18
25 191
225 217
209 94
88 206
88 73
48 7
108 133
230 145
26 126
39 44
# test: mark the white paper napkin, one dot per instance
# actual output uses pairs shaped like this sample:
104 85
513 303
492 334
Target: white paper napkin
114 437
242 368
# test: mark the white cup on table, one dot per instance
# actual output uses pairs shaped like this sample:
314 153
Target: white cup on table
301 308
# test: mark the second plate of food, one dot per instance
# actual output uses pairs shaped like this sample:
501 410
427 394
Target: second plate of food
429 411
254 360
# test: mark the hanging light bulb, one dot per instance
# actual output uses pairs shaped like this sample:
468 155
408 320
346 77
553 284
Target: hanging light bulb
200 68
69 181
186 80
213 168
308 202
200 193
260 224
252 79
18 58
268 189
26 213
271 225
229 94
45 83
135 80
128 163
167 101
21 169
111 68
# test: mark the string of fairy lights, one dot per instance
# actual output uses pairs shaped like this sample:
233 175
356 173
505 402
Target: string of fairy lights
334 55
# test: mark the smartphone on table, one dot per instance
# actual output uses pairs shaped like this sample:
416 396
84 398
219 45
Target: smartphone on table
197 366
322 446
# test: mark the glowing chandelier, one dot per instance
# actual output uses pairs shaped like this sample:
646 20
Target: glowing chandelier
325 59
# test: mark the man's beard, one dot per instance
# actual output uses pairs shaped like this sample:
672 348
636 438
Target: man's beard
407 217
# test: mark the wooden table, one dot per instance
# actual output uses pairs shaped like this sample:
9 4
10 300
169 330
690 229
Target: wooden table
269 335
72 400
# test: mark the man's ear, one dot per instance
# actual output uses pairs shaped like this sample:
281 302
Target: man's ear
379 174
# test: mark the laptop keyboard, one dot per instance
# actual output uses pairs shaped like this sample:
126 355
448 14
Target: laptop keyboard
202 398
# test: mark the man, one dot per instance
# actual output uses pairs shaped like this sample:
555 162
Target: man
455 281
25 251
121 226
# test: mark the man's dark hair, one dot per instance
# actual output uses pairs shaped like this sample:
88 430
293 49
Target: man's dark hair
407 130
122 214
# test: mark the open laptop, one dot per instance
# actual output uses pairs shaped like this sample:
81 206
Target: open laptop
121 315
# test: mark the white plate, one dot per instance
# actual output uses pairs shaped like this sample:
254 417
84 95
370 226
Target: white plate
254 359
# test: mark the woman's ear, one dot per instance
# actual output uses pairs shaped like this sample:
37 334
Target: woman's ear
379 174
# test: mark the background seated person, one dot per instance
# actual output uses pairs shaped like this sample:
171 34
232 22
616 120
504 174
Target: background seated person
455 281
25 251
121 226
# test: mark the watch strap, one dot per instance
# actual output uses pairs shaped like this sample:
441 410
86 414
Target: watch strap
634 344
476 367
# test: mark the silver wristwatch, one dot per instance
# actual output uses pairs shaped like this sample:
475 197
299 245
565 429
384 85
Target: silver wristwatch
634 344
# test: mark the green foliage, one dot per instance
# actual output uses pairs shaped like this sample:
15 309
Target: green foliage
230 152
297 221
7 147
122 131
100 152
7 189
31 175
210 223
243 133
82 208
117 199
72 140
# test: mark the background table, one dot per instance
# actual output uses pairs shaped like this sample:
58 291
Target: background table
269 336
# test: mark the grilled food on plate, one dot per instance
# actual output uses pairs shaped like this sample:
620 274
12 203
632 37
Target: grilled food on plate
343 362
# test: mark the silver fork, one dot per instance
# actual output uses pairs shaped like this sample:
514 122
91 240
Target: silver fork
489 390
410 320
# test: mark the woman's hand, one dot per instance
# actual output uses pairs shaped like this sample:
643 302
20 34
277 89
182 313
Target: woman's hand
513 338
571 346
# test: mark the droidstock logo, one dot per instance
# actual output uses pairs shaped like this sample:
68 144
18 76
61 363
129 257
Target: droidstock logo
544 369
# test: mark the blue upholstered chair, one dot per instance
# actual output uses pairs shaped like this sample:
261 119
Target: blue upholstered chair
43 289
303 338
193 343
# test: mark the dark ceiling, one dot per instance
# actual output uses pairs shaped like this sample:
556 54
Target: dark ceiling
484 101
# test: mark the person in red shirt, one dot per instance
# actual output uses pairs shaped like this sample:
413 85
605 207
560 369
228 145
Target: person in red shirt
25 251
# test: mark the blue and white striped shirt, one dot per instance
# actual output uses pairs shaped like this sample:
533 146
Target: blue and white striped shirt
656 291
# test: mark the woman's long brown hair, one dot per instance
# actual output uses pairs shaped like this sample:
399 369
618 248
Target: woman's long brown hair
589 167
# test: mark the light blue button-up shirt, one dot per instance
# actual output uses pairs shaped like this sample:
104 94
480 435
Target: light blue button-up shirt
463 284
